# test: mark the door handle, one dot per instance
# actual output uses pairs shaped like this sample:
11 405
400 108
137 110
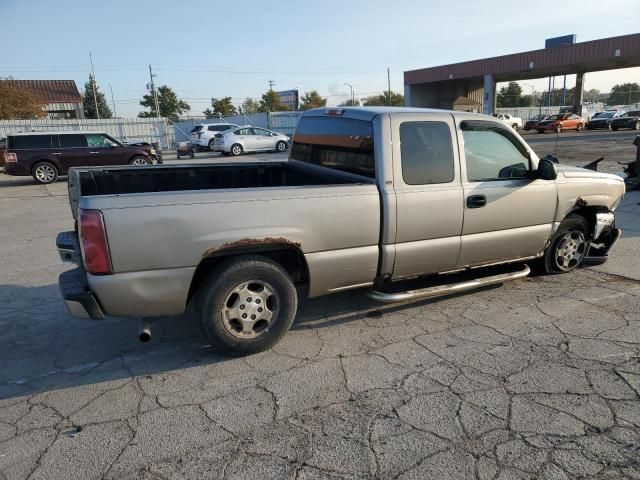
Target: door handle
476 201
94 153
57 153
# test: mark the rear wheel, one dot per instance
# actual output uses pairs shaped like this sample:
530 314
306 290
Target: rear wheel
236 149
559 129
568 246
615 129
211 144
246 305
138 160
44 173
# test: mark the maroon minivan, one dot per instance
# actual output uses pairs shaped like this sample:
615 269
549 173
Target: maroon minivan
47 155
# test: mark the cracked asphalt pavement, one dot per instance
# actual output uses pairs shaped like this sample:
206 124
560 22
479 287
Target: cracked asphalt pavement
534 379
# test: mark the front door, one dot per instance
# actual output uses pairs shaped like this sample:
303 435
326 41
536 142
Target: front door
508 213
428 194
103 150
264 139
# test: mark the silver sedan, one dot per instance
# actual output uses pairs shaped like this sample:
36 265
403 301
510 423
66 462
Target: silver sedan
250 139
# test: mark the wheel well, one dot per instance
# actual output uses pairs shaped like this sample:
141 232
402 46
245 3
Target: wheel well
288 257
589 214
45 160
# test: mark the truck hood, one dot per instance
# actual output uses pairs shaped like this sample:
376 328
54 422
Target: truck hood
569 171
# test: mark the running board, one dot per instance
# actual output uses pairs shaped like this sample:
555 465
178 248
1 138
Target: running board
449 289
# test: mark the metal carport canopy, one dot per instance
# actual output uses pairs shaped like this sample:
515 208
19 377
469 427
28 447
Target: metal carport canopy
604 54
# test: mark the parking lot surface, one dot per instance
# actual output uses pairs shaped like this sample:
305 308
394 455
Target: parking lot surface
538 378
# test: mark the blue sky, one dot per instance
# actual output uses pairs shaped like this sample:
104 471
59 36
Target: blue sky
213 48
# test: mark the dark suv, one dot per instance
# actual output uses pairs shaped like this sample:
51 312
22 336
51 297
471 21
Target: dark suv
47 155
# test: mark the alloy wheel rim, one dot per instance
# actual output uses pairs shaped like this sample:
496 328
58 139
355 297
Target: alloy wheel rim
570 251
250 309
281 147
236 150
139 161
45 173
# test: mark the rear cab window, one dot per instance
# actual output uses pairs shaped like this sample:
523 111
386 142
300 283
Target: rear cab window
339 143
426 153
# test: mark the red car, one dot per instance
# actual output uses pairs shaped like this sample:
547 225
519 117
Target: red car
561 122
47 155
532 123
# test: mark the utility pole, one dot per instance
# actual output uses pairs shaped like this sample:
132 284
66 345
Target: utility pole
113 102
154 93
271 84
93 85
389 86
352 99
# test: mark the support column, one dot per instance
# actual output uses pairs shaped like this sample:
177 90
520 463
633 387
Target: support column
579 92
407 95
489 98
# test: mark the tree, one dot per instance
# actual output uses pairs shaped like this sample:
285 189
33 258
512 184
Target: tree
18 104
220 107
592 95
395 100
350 103
170 105
249 106
312 99
270 102
624 94
89 103
509 96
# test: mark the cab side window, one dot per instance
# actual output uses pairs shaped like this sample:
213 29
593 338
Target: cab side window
427 153
97 140
492 153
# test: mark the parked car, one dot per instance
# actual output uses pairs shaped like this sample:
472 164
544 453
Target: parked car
532 123
600 120
241 242
203 135
561 122
45 156
630 119
513 122
250 139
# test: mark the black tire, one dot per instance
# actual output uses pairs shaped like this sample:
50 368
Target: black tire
138 159
580 127
636 126
540 131
236 149
615 129
44 173
515 127
281 146
240 274
554 258
211 144
559 129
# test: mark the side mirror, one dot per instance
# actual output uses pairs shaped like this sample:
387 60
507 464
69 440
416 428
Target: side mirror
547 169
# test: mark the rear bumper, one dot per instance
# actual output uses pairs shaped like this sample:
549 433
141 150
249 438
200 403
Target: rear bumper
79 300
75 292
16 169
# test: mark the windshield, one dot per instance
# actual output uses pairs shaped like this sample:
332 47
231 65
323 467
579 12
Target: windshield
606 115
635 113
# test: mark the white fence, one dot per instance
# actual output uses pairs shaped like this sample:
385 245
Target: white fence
152 130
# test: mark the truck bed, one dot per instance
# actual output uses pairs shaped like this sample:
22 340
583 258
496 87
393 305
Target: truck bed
116 181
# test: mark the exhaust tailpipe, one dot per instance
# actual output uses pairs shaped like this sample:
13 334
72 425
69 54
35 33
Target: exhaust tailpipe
145 330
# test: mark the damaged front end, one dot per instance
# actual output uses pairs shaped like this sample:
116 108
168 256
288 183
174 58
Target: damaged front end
605 236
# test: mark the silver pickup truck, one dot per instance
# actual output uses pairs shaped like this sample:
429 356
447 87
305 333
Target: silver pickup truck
369 197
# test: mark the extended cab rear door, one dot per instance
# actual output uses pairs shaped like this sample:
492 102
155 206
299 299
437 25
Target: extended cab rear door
428 193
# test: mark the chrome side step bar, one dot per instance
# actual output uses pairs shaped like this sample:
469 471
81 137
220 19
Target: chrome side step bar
440 290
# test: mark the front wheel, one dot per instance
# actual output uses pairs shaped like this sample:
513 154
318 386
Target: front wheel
568 246
138 161
246 305
580 127
44 173
212 143
637 126
281 146
515 126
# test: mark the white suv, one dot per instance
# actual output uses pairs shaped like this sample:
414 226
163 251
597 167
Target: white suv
203 135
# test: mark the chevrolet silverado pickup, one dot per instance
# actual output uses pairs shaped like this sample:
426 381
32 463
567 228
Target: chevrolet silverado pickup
368 198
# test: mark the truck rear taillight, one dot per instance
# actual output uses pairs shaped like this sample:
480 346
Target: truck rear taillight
94 242
10 157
